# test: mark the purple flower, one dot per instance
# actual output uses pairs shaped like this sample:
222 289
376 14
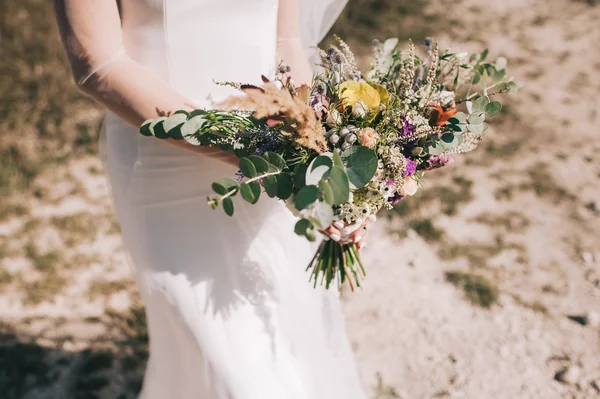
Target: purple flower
395 199
410 169
407 128
438 161
238 176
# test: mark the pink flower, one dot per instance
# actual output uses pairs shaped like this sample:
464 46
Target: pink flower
439 161
368 137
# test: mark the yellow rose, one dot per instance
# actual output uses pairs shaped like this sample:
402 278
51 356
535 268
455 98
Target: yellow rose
352 93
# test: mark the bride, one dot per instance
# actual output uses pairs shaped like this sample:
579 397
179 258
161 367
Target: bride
230 312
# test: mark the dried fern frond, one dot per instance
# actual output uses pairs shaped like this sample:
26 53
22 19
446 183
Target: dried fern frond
271 102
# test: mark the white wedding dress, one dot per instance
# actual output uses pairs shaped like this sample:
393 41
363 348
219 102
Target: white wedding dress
230 311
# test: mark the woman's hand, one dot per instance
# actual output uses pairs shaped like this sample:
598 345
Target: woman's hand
348 233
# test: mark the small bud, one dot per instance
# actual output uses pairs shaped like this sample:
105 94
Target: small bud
375 43
428 41
351 138
346 145
344 132
334 138
330 51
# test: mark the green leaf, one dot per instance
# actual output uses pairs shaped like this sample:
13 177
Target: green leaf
337 160
501 63
275 160
476 78
477 129
300 174
476 118
247 193
301 226
260 164
326 191
156 122
270 183
285 186
340 185
480 104
145 128
306 196
173 121
228 206
310 235
193 126
224 186
247 168
493 108
448 138
250 192
319 161
484 55
361 165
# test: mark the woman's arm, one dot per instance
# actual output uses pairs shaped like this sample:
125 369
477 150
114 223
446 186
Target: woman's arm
290 49
92 37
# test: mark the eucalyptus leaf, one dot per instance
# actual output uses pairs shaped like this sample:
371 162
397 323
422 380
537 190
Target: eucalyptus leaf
285 186
469 105
275 160
250 191
271 185
326 191
301 226
476 129
361 165
501 63
219 188
493 108
337 159
480 104
260 164
476 118
154 123
300 175
192 126
306 196
248 168
145 128
228 206
173 121
447 138
320 161
340 185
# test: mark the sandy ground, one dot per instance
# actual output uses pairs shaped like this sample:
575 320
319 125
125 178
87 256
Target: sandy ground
485 285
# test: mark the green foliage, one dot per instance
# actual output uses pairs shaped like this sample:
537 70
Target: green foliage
361 165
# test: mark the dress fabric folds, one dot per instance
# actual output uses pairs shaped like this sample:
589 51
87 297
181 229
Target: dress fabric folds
230 311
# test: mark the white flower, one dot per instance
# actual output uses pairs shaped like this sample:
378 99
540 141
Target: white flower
410 186
446 98
360 109
334 117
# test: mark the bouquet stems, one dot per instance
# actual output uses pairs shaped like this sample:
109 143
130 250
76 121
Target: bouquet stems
334 259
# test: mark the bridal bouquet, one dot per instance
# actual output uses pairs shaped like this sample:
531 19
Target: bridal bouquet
350 144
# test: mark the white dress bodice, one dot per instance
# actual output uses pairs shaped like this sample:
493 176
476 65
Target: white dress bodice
194 43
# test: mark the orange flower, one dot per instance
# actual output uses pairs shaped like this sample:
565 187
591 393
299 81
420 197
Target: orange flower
444 115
